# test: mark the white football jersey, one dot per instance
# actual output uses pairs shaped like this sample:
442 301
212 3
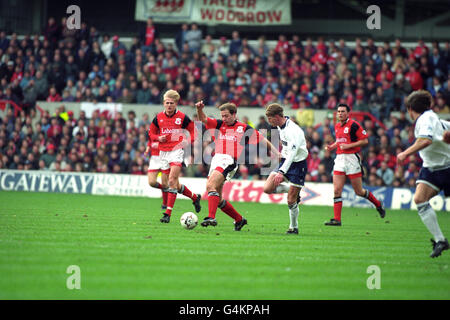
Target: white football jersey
436 155
294 144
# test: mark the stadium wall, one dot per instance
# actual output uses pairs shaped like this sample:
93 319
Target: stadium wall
236 190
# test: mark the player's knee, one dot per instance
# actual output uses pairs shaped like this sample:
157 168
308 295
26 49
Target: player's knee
268 188
210 187
173 183
419 198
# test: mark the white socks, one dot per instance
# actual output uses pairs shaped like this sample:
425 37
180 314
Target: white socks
429 218
293 214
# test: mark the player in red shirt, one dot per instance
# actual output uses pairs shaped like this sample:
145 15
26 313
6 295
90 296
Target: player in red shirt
168 129
350 137
230 137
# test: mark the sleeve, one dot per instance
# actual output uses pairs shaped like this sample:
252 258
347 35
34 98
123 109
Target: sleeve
186 122
357 132
191 128
213 123
153 133
424 128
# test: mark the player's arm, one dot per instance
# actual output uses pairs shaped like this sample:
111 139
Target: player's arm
357 133
419 144
154 132
331 147
359 143
189 126
201 115
273 150
292 147
446 136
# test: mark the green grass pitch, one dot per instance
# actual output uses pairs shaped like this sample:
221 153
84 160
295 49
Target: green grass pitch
124 252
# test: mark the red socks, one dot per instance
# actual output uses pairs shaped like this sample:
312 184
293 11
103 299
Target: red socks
171 196
165 195
187 193
337 208
226 207
213 203
369 196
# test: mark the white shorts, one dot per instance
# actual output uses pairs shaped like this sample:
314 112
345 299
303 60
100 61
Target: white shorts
225 164
171 158
348 164
154 164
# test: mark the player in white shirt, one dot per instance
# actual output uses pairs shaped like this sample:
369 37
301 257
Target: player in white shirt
435 153
292 167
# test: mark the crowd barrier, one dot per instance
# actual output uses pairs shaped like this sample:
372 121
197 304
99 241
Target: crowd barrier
236 190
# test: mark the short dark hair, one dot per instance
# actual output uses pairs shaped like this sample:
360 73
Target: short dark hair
274 109
343 105
419 101
231 107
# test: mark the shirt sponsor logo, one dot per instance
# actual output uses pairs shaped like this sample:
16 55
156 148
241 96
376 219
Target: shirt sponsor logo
166 130
227 137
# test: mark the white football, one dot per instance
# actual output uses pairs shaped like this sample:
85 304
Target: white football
189 220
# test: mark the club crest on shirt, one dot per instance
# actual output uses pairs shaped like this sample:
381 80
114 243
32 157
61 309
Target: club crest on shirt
240 129
178 121
346 130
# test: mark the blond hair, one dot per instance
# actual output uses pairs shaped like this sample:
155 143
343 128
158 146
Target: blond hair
172 94
274 109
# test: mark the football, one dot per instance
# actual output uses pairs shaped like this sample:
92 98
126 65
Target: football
189 220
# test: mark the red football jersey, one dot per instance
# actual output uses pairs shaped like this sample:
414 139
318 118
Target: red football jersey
231 140
172 127
351 131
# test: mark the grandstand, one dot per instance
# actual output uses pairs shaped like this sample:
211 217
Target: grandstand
48 75
75 110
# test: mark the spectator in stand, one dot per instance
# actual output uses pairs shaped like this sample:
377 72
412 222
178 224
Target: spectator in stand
148 34
235 44
414 78
385 173
193 38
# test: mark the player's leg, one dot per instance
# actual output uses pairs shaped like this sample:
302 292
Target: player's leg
213 186
422 197
228 209
165 190
184 190
175 170
293 200
360 191
152 181
338 185
269 185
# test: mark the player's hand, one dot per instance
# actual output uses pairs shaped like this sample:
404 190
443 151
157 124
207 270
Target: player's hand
147 150
162 138
401 158
278 179
200 105
330 147
344 146
446 137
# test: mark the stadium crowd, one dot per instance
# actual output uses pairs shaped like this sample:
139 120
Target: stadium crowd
82 65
